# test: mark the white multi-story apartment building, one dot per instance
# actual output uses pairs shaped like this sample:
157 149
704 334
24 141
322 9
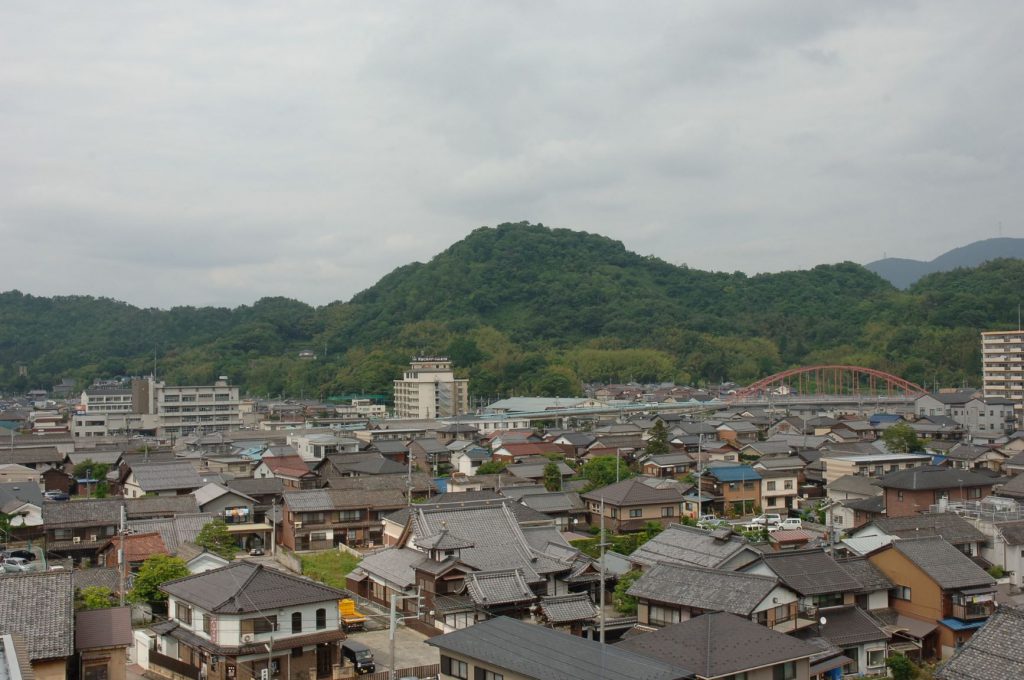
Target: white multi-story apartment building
1002 362
107 399
182 410
429 389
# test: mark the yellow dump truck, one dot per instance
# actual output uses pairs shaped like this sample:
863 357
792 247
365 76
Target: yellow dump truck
351 618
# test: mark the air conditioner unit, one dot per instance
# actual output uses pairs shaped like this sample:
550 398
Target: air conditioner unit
76 539
298 525
248 637
92 538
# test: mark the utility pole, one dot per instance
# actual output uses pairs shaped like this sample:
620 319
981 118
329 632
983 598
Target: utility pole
601 594
122 561
273 526
393 618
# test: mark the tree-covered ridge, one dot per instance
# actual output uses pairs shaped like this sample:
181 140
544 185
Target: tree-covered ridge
529 309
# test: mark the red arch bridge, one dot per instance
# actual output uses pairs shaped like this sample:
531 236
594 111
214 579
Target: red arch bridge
830 380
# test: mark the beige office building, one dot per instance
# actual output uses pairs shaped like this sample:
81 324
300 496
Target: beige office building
1002 362
429 389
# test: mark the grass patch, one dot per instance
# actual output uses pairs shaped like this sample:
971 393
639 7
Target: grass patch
329 567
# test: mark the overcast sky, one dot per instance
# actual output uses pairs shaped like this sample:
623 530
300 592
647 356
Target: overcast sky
170 153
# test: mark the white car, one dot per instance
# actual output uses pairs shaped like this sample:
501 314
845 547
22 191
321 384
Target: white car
768 519
792 523
17 565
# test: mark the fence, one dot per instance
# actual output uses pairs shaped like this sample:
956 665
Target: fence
171 664
416 671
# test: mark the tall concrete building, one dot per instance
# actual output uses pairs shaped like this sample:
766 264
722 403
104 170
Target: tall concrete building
1002 359
183 410
429 389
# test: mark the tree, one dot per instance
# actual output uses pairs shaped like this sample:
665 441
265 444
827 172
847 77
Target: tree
95 597
625 604
216 538
552 477
658 441
153 573
491 467
603 471
901 667
901 438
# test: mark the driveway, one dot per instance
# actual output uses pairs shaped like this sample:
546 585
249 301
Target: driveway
410 648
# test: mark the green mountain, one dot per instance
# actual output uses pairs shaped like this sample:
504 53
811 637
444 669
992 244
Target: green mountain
530 309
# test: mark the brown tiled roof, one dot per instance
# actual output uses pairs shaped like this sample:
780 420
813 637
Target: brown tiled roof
97 628
634 492
141 546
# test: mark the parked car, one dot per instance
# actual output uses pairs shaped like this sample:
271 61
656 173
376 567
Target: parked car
256 552
24 554
17 565
792 523
767 519
360 656
55 496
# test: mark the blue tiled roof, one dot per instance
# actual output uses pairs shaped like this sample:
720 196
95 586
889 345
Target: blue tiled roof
957 624
735 473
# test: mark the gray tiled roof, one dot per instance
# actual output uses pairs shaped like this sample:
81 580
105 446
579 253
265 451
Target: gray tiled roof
994 652
40 607
553 655
319 500
857 484
811 572
849 625
554 502
88 512
929 477
568 608
151 506
707 589
946 565
1013 532
679 544
498 587
719 644
258 487
166 476
948 525
394 565
870 577
634 492
174 531
246 587
97 576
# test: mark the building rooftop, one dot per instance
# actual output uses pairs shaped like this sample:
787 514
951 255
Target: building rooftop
553 655
243 587
707 589
40 608
930 477
679 544
995 651
811 572
947 566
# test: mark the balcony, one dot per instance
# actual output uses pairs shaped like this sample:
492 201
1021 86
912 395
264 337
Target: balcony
973 612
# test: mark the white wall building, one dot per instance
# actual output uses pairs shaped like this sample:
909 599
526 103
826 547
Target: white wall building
1002 363
429 389
188 409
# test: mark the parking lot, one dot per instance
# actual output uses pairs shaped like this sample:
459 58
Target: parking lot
410 648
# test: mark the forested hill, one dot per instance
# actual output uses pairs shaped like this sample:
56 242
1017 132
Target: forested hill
532 309
903 273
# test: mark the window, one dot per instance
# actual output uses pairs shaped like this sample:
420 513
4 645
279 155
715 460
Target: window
901 593
771 485
183 613
784 671
636 512
788 484
296 652
454 667
615 513
662 616
321 619
484 674
974 492
667 512
206 624
296 622
350 515
876 658
899 495
263 624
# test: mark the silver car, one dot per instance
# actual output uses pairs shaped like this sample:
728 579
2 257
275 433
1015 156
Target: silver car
17 565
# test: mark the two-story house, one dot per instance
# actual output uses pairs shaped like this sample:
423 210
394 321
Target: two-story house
175 478
935 583
630 504
735 489
916 490
238 510
318 519
293 471
232 623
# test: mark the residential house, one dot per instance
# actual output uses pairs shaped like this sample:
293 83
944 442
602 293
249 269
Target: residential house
78 529
313 447
469 459
473 563
319 519
735 489
970 456
12 473
860 637
668 464
836 463
723 646
39 607
175 478
850 488
574 444
508 453
913 491
567 509
670 593
39 458
938 585
137 548
955 529
176 531
266 492
815 576
683 545
995 651
430 454
536 468
739 432
102 639
293 471
630 504
570 613
779 490
232 623
504 648
199 559
1008 550
238 511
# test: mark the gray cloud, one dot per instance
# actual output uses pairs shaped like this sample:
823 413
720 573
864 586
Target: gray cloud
213 153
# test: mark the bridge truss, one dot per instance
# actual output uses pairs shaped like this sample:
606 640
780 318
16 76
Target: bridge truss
830 379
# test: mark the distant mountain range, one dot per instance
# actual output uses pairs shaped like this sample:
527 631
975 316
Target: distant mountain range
903 273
